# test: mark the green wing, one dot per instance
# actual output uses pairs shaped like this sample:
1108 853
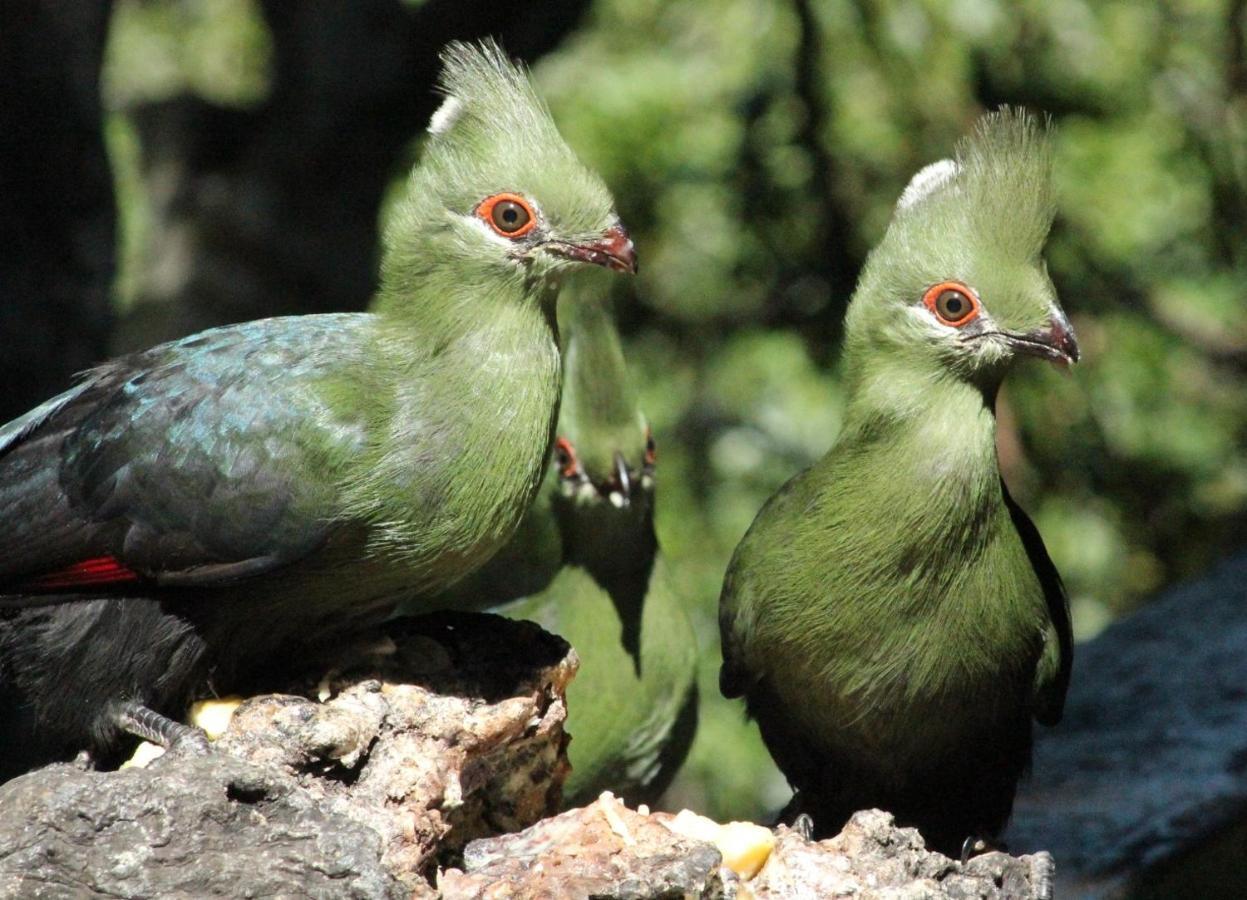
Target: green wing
1053 673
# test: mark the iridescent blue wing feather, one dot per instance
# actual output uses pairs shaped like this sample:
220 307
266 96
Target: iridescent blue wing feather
193 462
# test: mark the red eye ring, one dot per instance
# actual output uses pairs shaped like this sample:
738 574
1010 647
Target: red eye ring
565 456
952 303
507 214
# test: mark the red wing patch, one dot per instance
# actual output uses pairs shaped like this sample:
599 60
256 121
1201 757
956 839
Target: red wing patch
89 572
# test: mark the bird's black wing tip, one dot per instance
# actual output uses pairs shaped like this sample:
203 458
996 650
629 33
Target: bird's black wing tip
731 681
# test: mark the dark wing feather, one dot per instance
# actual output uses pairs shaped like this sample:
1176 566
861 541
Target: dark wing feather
734 679
195 462
1052 679
741 588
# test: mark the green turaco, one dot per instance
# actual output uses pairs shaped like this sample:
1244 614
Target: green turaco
587 566
186 513
892 617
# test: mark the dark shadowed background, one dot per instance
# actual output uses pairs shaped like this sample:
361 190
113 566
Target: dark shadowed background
173 164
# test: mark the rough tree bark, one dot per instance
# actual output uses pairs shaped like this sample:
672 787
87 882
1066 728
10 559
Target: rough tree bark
434 731
434 736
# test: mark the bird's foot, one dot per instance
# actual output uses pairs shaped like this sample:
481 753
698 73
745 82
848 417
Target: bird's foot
190 742
804 826
138 720
977 844
796 820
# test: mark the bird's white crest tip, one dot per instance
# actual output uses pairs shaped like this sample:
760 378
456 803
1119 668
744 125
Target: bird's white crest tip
446 116
928 180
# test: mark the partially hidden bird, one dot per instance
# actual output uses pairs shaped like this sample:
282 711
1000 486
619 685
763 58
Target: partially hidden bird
892 617
586 564
187 515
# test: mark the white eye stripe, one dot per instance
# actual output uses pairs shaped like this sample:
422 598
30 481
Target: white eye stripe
479 224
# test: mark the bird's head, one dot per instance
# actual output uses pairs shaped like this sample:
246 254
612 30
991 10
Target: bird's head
497 192
604 456
958 284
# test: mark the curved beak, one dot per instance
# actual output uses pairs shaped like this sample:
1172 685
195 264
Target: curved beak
1056 343
623 482
613 250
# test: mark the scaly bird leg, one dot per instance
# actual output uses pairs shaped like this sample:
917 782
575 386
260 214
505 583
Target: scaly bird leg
138 720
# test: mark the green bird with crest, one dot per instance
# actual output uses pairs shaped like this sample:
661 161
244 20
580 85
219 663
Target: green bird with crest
892 618
186 515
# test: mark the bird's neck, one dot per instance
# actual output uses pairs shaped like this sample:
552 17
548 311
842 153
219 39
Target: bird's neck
922 444
436 291
898 399
470 378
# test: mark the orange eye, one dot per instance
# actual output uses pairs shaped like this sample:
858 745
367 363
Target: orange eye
952 302
651 449
510 215
565 457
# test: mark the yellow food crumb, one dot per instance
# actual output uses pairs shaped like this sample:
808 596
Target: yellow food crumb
744 846
144 753
213 715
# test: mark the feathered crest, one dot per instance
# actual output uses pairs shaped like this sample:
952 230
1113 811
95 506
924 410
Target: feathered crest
998 185
488 96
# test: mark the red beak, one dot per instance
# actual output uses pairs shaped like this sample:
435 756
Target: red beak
1056 343
613 250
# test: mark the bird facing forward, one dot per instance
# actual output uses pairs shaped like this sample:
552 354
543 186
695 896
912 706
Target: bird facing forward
604 585
892 617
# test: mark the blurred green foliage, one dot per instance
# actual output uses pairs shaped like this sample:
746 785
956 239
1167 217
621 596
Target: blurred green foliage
756 149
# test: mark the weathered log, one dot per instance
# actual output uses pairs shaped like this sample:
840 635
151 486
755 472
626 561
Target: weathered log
437 731
605 850
395 774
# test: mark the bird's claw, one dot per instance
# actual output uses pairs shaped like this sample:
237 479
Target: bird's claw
977 844
804 826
